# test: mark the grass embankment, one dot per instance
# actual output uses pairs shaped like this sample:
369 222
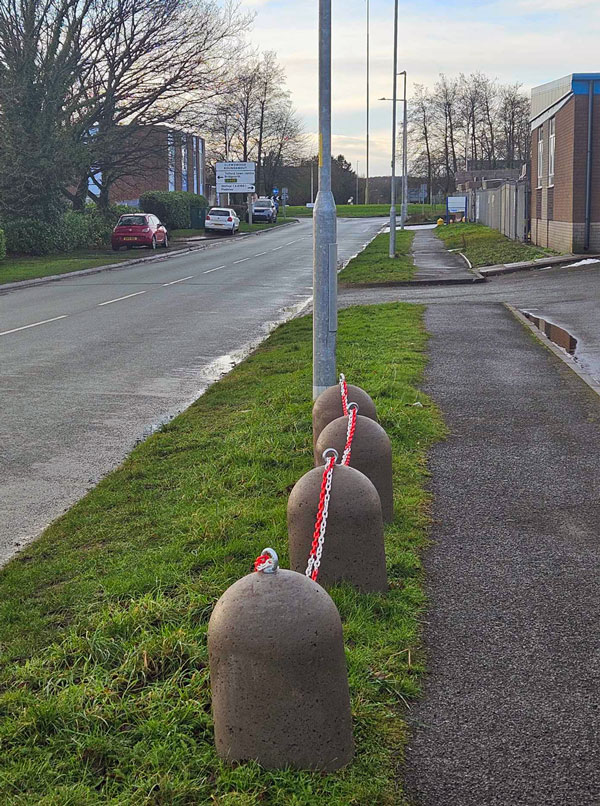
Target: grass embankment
104 686
26 267
373 264
429 211
485 246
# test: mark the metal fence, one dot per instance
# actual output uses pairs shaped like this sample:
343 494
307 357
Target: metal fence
505 208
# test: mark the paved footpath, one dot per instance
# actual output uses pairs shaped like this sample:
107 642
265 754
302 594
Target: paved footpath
434 261
511 712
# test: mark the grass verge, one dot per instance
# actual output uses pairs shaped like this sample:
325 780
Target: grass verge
373 264
371 210
104 689
14 268
485 246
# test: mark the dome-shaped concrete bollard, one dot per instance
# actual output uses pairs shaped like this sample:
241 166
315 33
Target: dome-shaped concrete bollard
278 674
328 407
354 549
371 454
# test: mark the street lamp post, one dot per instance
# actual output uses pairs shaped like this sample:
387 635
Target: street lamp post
357 164
368 87
403 214
392 253
324 226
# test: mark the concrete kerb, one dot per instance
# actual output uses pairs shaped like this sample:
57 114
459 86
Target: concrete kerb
5 287
529 265
588 379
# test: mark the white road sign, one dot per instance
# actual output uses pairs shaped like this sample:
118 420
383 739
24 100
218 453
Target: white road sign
236 177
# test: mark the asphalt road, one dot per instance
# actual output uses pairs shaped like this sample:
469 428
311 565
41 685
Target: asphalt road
89 365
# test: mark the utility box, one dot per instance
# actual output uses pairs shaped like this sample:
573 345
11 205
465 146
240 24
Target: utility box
197 217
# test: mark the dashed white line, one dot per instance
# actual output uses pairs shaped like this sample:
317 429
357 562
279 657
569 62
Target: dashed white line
35 324
260 254
118 299
291 242
216 269
277 247
178 281
243 260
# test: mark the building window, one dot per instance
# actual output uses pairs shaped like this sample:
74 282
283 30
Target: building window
184 162
540 161
171 159
551 150
195 162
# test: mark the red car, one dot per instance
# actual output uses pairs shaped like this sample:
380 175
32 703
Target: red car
139 229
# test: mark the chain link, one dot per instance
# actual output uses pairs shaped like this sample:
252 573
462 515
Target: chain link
344 393
316 551
352 414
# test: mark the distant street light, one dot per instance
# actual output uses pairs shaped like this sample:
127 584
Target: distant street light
392 252
404 210
368 69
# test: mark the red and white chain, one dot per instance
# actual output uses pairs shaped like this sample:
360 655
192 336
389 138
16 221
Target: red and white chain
344 392
352 414
316 549
267 562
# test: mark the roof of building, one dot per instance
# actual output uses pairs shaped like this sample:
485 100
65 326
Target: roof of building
548 98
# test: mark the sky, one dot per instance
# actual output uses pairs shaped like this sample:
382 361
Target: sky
525 41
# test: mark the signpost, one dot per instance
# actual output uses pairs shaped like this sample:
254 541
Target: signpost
456 204
237 177
284 198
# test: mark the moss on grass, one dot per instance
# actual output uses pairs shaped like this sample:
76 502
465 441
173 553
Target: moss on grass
104 689
373 264
485 246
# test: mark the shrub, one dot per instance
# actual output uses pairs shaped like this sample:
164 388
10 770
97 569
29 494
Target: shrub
30 236
172 207
2 245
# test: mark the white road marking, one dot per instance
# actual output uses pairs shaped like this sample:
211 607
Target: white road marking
35 324
291 242
178 281
118 299
243 260
217 269
277 247
260 254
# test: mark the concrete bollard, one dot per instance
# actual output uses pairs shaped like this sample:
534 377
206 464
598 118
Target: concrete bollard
354 549
328 407
278 673
371 454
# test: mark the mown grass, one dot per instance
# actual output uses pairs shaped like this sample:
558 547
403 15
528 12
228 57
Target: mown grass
373 264
104 686
370 210
485 246
26 267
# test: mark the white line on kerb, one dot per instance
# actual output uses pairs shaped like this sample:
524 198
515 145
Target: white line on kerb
178 281
118 299
35 324
217 269
242 260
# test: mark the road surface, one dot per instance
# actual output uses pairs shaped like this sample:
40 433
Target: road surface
89 365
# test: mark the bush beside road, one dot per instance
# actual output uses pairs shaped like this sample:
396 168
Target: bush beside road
484 246
103 671
373 264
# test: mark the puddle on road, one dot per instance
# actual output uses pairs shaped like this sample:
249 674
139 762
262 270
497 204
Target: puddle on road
556 334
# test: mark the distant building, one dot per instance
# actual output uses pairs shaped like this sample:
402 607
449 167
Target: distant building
161 159
565 165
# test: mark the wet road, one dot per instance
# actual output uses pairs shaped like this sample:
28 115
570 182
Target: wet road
88 365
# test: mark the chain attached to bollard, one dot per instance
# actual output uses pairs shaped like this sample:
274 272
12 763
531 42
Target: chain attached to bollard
316 549
267 562
352 413
344 392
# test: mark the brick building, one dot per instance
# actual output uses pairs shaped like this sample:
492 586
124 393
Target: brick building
164 159
565 164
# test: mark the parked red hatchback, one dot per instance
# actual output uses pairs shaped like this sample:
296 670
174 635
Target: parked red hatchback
139 229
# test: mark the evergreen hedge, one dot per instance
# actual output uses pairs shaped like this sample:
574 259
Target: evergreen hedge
172 207
2 245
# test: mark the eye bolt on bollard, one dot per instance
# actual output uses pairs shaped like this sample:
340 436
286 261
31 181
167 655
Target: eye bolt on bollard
278 672
353 547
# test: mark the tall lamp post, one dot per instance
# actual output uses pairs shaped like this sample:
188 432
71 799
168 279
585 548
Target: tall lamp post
368 88
392 253
324 226
403 214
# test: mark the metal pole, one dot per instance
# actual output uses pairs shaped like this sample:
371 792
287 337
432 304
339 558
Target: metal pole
312 183
250 208
368 88
357 164
404 162
393 182
324 226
